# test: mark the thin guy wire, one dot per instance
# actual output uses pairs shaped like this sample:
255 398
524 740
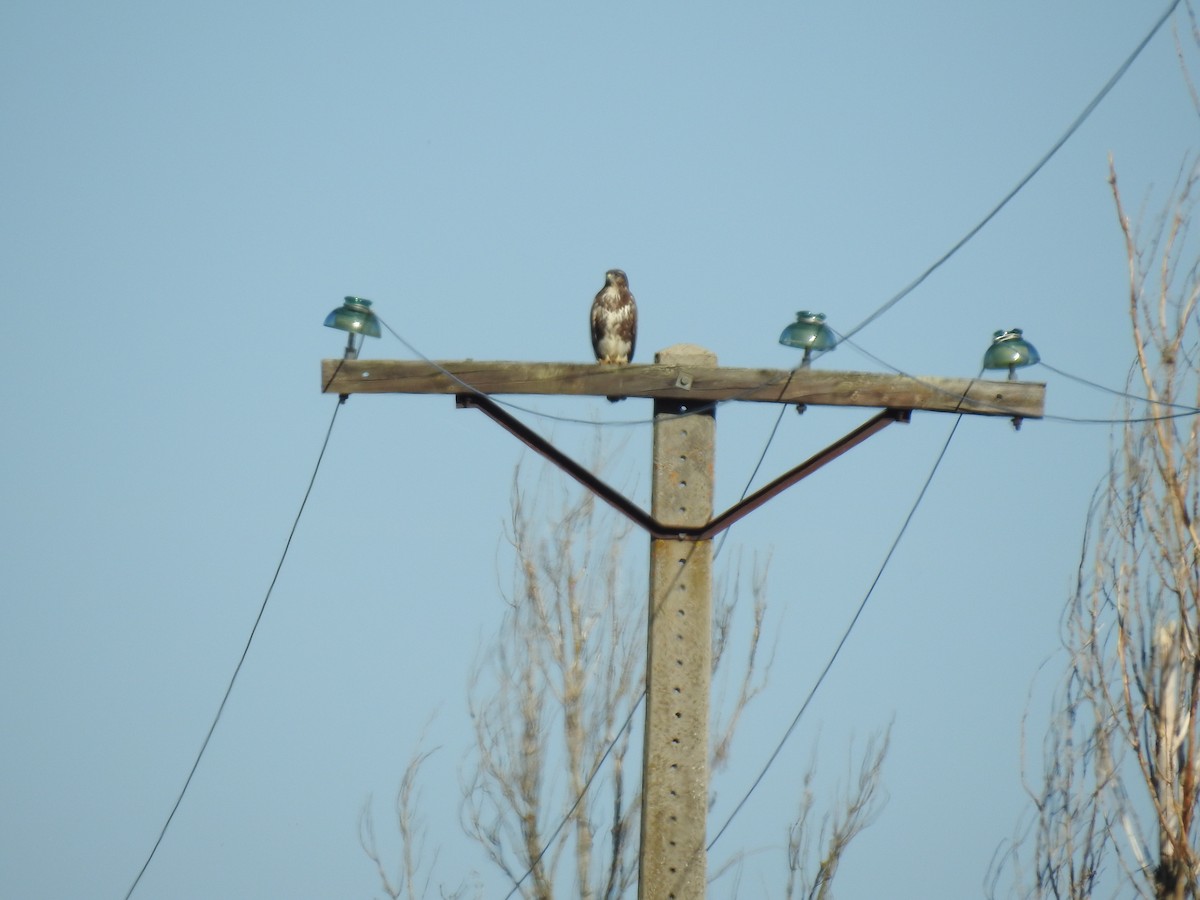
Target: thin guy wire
1066 136
783 407
570 812
845 636
245 650
546 847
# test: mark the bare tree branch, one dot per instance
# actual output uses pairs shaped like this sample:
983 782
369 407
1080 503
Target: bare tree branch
566 666
549 791
815 852
552 795
1116 806
414 874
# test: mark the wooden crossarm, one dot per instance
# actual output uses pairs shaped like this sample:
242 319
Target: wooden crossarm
813 387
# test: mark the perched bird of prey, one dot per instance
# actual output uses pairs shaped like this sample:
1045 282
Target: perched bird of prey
614 321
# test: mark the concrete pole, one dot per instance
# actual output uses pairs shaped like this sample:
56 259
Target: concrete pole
672 862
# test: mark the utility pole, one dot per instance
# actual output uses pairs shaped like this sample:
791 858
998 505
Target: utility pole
678 647
685 383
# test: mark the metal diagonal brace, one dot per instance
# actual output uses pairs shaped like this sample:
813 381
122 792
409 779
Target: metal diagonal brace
748 504
639 516
535 441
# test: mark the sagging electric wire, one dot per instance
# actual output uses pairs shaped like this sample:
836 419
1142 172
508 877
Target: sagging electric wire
907 289
1092 384
1187 411
1029 176
469 388
784 377
1069 420
854 620
937 264
842 641
1004 201
889 304
242 659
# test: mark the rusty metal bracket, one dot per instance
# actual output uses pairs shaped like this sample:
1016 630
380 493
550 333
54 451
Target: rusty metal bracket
639 516
748 504
535 441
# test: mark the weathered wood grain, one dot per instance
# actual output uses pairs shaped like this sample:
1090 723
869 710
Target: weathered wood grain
704 383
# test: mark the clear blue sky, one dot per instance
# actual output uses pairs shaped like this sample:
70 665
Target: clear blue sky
189 188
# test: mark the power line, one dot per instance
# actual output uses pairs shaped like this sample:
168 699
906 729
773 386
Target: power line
915 283
1038 166
582 793
907 289
904 292
750 481
842 642
896 298
1072 420
1092 384
784 377
1188 411
1047 417
245 650
471 389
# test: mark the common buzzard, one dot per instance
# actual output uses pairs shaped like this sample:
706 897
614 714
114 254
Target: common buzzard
614 321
